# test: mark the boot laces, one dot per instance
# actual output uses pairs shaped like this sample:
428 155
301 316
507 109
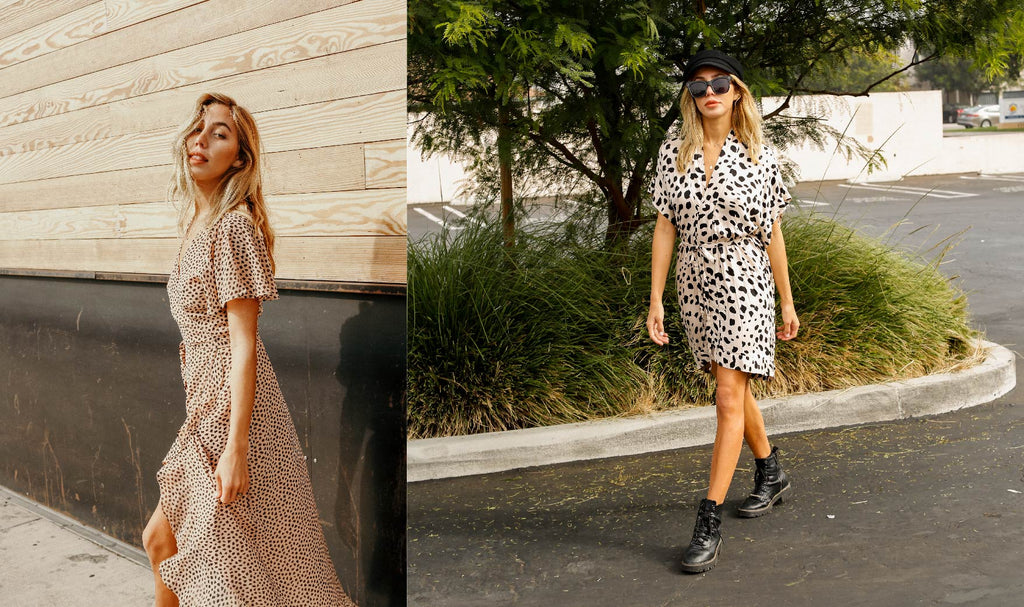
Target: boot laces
703 530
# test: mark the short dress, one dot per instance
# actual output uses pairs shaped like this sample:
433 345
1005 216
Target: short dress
266 547
723 275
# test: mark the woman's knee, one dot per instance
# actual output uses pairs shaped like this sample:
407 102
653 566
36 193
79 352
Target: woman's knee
730 394
158 539
728 407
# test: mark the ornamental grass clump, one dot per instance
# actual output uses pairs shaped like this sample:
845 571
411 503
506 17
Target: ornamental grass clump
552 330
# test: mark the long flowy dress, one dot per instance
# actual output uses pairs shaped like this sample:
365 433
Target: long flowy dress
723 274
265 548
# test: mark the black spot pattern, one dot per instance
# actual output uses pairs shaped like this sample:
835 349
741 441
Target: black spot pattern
267 546
723 276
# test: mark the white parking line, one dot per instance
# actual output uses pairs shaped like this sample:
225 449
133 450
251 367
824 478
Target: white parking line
811 203
429 216
462 215
861 199
1014 178
909 190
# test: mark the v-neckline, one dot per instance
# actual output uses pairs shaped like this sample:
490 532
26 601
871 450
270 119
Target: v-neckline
703 165
186 243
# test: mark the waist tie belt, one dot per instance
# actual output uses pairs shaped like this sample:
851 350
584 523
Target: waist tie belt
715 243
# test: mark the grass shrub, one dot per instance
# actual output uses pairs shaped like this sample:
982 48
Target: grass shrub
552 330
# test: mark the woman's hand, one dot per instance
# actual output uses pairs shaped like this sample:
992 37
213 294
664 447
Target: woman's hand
656 323
232 473
790 323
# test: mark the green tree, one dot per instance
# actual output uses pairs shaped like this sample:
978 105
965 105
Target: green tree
596 105
993 62
471 64
872 70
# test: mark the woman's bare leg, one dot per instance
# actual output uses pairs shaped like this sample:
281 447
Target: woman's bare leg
753 427
159 542
730 396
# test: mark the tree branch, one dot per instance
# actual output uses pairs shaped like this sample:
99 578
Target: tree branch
568 158
789 96
868 88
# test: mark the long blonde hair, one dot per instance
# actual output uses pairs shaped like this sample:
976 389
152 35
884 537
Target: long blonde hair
746 122
239 186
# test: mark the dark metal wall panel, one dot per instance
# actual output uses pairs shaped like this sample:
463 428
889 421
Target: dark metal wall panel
91 398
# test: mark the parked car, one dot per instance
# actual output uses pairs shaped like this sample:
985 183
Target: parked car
980 116
951 112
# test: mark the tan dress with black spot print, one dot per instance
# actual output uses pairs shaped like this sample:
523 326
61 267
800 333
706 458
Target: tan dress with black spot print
266 548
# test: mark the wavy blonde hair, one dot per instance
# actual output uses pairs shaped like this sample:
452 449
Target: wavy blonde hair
746 122
239 186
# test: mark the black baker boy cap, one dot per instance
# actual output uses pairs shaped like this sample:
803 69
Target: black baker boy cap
712 58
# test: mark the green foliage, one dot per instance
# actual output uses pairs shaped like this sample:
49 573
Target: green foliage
999 51
858 71
591 86
504 337
994 61
553 329
953 74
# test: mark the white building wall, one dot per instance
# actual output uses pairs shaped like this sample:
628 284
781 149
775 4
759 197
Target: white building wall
905 127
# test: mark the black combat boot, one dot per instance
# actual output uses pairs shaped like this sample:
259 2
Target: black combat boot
770 482
702 552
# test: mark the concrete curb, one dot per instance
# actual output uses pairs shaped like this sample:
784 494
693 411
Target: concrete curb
447 457
71 525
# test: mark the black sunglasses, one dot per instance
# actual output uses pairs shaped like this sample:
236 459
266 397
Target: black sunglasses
699 88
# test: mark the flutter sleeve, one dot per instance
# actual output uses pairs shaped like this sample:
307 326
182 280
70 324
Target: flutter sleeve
775 195
664 169
241 264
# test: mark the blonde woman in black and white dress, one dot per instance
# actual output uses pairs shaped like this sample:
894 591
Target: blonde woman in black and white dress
719 190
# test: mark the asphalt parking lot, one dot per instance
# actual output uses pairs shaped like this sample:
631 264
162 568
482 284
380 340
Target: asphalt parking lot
925 511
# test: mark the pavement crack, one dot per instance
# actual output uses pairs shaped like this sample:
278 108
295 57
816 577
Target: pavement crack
6 529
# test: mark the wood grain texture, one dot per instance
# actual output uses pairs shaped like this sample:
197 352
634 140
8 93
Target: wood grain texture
92 92
358 213
346 258
385 164
377 213
49 36
373 117
332 31
354 258
353 120
122 13
336 76
192 26
135 185
326 169
25 14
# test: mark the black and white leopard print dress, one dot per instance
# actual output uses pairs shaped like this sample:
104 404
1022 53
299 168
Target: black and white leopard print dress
723 276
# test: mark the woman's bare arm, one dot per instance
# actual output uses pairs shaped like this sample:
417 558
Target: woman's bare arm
780 270
661 258
232 472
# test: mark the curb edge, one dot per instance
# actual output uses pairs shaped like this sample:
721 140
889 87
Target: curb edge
449 457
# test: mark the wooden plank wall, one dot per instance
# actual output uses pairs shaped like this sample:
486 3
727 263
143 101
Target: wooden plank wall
92 91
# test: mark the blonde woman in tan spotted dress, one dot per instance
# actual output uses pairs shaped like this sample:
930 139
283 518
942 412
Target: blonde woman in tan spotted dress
237 523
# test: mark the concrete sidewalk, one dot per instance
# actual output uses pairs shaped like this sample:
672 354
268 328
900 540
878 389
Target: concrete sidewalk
48 559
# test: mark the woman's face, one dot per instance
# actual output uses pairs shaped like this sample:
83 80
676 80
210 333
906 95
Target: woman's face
212 146
712 105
